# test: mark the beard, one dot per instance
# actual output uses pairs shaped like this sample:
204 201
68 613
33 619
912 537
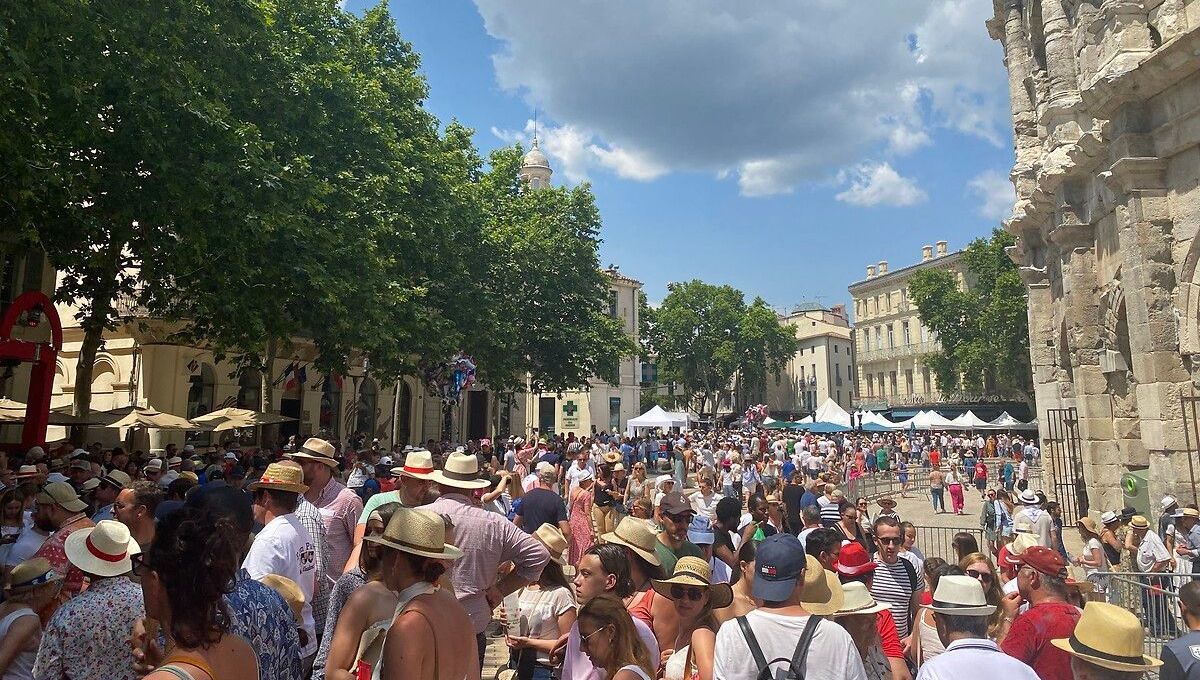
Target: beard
44 523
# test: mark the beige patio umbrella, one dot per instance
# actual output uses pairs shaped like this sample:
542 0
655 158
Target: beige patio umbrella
11 411
231 418
149 418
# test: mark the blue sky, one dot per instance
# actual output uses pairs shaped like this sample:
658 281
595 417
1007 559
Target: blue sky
778 148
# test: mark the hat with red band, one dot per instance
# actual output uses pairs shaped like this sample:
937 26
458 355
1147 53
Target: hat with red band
103 550
418 463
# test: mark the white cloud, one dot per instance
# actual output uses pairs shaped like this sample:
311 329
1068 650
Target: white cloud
874 184
995 192
778 93
573 151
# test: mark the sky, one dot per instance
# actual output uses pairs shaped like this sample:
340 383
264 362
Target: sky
778 147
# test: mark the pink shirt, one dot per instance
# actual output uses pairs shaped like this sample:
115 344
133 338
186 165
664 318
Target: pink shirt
487 539
339 508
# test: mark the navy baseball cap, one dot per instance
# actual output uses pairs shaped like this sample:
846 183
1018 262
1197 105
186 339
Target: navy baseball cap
778 565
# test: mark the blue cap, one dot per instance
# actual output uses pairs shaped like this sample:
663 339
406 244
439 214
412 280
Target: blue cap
778 565
700 531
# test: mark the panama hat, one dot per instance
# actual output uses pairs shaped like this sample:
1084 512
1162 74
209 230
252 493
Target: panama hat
693 571
1139 522
32 573
1009 554
1166 503
960 596
102 550
418 464
460 471
174 462
290 591
154 465
637 535
1110 637
886 502
61 494
317 449
117 478
417 532
1028 497
612 457
1109 517
856 599
281 478
26 472
551 537
822 593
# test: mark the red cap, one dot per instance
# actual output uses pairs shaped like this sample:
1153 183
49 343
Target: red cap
1043 560
854 560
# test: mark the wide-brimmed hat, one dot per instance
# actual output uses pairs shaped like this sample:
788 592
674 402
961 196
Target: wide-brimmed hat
886 502
315 448
63 495
854 560
637 535
611 457
117 479
1186 512
102 550
1139 522
27 472
290 591
960 596
281 478
460 471
1028 497
856 599
1089 524
174 461
693 571
418 464
1110 637
822 593
32 573
552 537
418 532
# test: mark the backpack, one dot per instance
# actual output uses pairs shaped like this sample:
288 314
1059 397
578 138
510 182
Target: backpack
795 668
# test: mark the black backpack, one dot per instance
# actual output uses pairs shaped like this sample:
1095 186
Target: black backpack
795 669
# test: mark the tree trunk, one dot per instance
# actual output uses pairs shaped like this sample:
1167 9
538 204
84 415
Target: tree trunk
267 434
84 365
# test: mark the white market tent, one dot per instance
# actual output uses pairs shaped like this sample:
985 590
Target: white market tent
657 418
830 412
871 417
970 421
1007 422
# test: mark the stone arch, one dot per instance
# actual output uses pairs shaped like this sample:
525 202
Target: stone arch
367 408
104 377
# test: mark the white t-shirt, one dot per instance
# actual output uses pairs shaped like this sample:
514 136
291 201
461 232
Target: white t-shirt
537 615
284 548
705 507
574 473
831 655
1151 550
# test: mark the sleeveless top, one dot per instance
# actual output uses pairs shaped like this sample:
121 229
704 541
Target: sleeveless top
676 666
644 609
636 669
370 649
931 644
21 666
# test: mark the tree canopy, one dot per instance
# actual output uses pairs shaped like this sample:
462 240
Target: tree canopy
983 330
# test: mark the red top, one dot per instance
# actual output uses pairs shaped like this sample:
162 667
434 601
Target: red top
1029 638
935 457
887 631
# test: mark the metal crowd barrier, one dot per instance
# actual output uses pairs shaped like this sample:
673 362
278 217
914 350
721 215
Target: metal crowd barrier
880 484
939 541
1153 597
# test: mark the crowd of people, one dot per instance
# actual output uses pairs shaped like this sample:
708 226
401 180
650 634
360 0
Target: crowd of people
728 554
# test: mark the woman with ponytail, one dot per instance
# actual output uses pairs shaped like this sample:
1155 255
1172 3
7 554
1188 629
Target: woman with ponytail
431 636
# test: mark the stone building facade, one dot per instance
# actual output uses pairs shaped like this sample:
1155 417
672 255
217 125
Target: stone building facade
823 365
1105 99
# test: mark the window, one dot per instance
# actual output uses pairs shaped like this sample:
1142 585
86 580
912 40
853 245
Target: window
870 387
614 414
888 299
801 374
612 303
866 337
249 394
882 386
837 372
891 336
892 379
925 379
368 400
879 337
908 381
907 333
835 349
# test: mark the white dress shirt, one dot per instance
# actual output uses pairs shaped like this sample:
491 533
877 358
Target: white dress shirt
973 658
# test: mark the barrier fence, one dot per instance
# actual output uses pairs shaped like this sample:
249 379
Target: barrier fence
880 484
939 541
1154 598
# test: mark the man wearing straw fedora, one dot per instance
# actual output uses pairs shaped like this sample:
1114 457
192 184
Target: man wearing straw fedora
339 506
788 635
414 480
487 539
88 637
1108 644
960 612
284 546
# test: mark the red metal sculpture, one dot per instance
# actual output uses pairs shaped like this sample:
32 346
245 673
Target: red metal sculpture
35 306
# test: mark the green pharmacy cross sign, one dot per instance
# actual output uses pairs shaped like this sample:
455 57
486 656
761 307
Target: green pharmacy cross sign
570 409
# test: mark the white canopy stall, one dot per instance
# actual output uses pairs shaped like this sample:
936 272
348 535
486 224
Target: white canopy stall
657 418
830 412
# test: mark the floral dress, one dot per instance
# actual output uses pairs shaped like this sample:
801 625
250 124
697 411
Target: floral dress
581 525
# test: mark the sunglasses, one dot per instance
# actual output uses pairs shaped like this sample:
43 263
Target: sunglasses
890 540
980 575
693 593
684 518
583 639
139 565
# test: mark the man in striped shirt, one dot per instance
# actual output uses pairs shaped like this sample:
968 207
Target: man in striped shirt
897 583
830 505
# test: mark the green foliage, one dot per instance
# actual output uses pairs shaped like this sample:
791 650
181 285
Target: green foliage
984 331
765 346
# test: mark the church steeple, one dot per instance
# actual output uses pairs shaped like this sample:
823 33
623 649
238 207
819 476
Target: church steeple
535 167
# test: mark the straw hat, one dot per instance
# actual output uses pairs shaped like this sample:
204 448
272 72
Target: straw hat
461 471
317 449
822 593
693 571
26 472
418 464
1139 522
32 573
1186 512
62 495
102 550
1110 637
290 592
282 478
856 599
417 532
1089 524
1009 553
611 457
637 535
117 479
551 537
886 502
960 596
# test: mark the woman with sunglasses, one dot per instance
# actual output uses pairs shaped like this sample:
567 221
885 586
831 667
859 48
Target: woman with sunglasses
849 529
695 598
979 567
607 635
32 585
637 486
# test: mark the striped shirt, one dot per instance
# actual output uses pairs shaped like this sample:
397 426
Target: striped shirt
892 586
830 512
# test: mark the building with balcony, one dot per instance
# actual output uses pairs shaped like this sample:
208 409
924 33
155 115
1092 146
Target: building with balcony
890 342
823 366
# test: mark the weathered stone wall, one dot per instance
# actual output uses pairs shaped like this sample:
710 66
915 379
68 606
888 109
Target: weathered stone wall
1106 117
